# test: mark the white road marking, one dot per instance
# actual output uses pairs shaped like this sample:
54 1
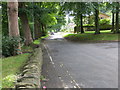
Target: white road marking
65 86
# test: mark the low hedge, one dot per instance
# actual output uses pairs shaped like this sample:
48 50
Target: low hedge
92 27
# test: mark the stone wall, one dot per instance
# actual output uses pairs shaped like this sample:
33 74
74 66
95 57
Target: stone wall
31 72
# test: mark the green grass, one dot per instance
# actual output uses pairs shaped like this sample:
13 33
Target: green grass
44 36
27 49
38 41
102 31
92 37
11 67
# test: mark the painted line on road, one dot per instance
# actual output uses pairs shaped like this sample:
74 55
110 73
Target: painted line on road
65 86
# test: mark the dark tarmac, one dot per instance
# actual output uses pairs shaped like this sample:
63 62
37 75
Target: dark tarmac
79 65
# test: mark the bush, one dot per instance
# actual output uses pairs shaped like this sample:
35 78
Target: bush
104 21
88 25
10 45
105 27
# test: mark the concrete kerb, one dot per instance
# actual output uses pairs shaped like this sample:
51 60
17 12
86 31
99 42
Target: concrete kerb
30 76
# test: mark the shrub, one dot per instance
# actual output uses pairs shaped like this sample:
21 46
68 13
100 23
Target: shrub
10 45
104 22
88 25
105 27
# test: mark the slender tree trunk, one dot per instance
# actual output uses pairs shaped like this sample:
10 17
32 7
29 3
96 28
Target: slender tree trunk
113 21
43 29
117 17
25 26
89 19
13 22
37 29
81 23
97 31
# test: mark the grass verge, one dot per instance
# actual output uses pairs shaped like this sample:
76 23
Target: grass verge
92 37
11 68
27 49
38 41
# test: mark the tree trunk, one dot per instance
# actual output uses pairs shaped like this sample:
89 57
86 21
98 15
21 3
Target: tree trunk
81 23
13 18
37 29
117 17
13 22
43 29
113 20
97 31
89 22
25 26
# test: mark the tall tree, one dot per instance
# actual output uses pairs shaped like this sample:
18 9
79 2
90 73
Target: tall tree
96 13
25 24
113 20
111 7
117 17
13 18
80 10
13 21
81 6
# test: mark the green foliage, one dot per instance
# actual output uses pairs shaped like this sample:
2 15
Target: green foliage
10 68
10 45
102 31
26 49
104 21
43 37
36 42
48 19
4 19
105 27
102 26
9 80
89 25
63 30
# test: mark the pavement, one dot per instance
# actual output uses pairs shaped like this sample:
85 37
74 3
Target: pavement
79 65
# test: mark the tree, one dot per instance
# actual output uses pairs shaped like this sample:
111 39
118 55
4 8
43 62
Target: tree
25 24
113 19
114 8
117 17
80 12
13 21
13 18
46 15
96 13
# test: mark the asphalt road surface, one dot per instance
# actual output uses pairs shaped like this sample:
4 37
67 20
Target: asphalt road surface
79 65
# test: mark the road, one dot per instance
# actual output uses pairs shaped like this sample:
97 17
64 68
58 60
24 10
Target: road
79 65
